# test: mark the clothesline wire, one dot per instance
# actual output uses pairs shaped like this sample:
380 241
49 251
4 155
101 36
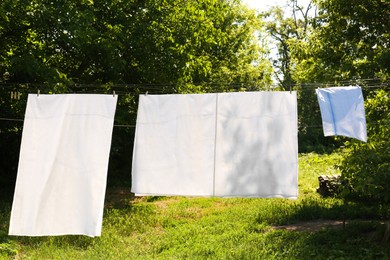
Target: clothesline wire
133 126
11 119
148 91
365 83
159 89
22 120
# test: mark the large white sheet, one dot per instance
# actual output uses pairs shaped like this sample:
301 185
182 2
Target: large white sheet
227 144
63 165
342 112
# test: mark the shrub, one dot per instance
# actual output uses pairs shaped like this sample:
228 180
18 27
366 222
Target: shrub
366 166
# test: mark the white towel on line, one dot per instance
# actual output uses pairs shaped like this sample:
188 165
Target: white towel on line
225 145
63 165
342 112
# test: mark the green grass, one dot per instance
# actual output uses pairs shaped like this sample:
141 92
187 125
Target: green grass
216 228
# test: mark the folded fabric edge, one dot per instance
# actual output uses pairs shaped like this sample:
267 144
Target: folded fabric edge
278 196
46 234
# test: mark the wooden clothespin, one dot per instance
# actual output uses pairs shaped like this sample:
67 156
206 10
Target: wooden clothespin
15 95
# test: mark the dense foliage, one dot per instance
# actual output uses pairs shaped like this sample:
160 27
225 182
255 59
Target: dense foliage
354 42
365 167
354 39
334 41
159 42
132 47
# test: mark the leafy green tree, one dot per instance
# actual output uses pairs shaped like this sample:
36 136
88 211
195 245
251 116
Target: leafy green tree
159 42
351 41
366 165
345 41
98 45
291 31
352 44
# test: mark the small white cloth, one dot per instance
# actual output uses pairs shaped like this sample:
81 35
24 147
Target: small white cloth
342 112
225 145
63 165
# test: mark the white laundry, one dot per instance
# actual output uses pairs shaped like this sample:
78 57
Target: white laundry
342 112
174 145
257 145
63 165
226 145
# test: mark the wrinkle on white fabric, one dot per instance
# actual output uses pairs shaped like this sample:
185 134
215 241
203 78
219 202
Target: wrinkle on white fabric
342 112
63 165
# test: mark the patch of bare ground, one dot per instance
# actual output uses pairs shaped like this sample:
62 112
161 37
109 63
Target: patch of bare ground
163 204
118 196
317 225
312 226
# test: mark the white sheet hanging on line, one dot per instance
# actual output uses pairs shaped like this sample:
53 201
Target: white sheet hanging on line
226 145
342 112
174 145
63 165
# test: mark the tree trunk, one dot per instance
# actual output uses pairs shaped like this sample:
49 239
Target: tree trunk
387 232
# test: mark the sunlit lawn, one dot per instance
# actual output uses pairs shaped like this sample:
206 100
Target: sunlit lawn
216 228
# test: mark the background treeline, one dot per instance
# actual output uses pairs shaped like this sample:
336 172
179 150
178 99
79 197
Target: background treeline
128 46
165 46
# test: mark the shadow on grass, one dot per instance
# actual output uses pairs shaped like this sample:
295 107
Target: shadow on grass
316 208
356 241
121 217
10 245
360 238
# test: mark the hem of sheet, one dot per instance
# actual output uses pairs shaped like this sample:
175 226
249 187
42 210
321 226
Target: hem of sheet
51 235
277 196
